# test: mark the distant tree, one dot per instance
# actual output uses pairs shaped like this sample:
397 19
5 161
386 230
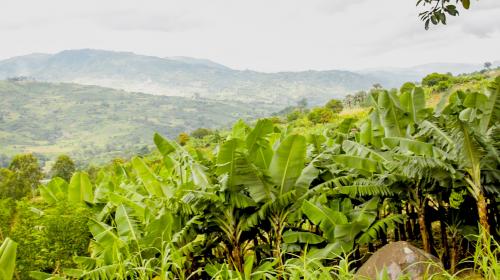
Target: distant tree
93 171
294 115
348 100
360 98
434 78
200 132
27 167
321 115
335 105
183 138
443 86
22 176
64 167
487 65
377 86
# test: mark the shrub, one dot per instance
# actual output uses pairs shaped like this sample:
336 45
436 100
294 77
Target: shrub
335 105
6 213
294 115
434 78
64 167
201 132
49 237
321 115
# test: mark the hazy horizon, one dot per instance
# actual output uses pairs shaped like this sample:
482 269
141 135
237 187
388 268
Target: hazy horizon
258 35
381 67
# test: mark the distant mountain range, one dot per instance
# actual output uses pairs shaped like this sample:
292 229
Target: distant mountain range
202 78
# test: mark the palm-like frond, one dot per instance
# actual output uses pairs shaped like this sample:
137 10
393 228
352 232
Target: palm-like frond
380 226
280 203
366 190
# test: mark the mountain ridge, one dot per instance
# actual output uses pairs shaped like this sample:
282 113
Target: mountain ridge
199 77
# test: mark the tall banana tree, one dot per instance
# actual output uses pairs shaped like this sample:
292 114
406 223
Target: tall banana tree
391 136
466 129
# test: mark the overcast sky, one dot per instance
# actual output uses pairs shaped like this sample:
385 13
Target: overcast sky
265 35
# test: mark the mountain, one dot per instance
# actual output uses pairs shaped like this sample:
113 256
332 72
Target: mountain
102 123
183 76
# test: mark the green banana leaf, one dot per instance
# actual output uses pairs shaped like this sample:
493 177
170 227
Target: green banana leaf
288 162
326 218
80 189
406 145
7 259
147 177
357 162
302 237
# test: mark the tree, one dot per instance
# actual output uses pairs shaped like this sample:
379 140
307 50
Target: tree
377 86
434 78
335 105
487 65
360 98
27 173
348 100
64 167
438 9
201 132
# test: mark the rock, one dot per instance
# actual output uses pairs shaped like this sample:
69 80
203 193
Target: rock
398 259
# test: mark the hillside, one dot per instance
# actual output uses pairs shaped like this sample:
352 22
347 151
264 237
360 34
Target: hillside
184 76
102 123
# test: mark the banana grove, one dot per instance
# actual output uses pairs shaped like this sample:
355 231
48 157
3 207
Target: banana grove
271 203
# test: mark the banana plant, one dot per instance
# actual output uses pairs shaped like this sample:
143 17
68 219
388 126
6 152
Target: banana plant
79 190
7 258
466 129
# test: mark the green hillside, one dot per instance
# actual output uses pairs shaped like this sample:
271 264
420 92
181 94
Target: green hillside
90 122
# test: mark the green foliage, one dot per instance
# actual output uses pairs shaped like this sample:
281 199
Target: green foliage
103 123
272 201
7 210
183 138
49 237
201 132
438 10
21 178
294 115
435 78
335 105
64 167
321 115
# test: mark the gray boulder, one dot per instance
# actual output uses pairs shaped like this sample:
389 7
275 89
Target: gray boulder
399 259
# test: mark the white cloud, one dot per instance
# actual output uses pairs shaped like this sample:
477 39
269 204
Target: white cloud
259 34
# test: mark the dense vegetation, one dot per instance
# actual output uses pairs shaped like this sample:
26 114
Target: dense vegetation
287 197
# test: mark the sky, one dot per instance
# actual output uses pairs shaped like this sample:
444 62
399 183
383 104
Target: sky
262 35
